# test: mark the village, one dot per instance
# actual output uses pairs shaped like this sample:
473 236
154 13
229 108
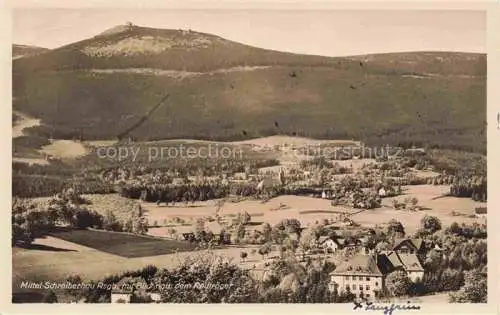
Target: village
361 271
375 227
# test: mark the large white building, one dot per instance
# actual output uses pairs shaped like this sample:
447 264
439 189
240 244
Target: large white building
360 275
364 274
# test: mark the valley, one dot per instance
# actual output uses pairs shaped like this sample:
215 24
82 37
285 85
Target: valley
148 158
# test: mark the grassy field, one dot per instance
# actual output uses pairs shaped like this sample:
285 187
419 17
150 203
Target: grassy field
123 244
309 210
55 259
431 199
65 149
306 209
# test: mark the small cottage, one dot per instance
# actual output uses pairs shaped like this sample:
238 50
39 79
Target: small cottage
480 211
382 192
328 244
121 296
155 297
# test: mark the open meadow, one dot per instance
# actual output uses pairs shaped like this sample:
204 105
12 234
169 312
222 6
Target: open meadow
122 244
54 259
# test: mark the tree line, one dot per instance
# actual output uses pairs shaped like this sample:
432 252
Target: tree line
66 209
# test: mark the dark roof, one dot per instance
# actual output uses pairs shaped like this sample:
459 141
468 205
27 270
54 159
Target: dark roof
481 210
384 264
394 260
337 238
358 265
416 243
322 239
411 262
338 241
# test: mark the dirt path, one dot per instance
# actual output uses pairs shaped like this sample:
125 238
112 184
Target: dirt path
30 161
24 122
57 148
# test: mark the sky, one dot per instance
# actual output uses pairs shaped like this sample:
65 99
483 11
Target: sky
320 32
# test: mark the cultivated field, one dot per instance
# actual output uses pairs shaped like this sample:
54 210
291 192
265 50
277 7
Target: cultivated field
55 259
306 209
432 199
124 244
309 210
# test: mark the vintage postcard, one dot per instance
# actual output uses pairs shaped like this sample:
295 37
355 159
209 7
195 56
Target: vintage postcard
256 155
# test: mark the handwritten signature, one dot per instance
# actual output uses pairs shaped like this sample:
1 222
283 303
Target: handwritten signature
387 309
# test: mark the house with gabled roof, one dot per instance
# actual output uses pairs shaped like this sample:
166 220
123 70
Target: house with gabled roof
406 262
328 244
361 275
409 246
121 296
412 266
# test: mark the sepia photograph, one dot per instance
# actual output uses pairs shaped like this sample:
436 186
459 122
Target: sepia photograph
250 156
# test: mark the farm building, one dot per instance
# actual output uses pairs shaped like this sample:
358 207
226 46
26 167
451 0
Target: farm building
155 296
406 262
125 296
328 244
480 211
121 296
408 246
382 192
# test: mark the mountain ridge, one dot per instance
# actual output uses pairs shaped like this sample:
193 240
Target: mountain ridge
97 86
20 51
